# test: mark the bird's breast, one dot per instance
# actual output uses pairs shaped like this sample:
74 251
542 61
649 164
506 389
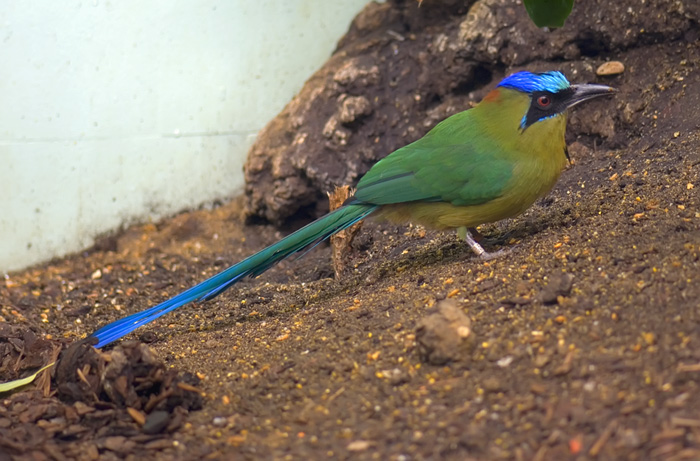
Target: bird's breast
540 159
537 158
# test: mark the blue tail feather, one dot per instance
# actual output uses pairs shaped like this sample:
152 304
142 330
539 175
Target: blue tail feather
305 238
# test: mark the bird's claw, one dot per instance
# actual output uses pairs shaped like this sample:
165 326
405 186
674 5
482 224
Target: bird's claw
486 256
478 249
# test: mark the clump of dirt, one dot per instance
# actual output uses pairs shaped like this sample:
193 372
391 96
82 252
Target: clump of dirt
444 335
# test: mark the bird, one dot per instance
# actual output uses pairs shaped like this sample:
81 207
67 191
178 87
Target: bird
482 165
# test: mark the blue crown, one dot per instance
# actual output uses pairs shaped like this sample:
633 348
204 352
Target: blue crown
527 82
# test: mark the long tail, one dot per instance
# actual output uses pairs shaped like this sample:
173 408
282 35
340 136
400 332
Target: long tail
306 237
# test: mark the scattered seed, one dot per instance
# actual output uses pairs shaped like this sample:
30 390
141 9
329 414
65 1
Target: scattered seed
358 445
649 338
576 444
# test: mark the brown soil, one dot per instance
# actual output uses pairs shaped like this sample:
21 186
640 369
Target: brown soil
583 343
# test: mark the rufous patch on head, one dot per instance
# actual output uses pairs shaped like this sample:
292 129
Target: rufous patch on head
493 96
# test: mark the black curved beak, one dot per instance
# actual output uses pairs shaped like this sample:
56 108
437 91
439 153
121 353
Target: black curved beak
585 91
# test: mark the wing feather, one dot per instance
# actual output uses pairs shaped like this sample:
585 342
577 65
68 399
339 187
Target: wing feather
460 174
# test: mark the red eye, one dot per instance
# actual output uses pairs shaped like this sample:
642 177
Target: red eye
544 101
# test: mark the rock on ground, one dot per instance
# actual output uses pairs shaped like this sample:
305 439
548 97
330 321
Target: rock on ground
403 67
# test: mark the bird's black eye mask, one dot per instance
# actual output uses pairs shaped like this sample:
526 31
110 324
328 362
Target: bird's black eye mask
544 104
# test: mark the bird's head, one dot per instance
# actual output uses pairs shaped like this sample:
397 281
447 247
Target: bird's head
550 94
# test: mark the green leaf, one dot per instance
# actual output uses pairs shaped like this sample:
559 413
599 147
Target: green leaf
549 13
8 386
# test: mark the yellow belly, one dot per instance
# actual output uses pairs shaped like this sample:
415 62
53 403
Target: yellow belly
441 215
536 170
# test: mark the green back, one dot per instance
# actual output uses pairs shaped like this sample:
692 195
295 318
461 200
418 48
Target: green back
446 165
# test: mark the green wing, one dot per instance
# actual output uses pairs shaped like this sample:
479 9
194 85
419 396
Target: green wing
437 168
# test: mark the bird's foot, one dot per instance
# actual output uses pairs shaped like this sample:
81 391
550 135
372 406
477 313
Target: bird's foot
478 249
486 256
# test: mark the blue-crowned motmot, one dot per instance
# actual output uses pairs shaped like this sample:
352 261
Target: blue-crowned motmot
482 165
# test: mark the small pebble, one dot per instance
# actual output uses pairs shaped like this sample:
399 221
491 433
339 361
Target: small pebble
559 285
493 384
445 335
156 422
505 361
148 337
610 68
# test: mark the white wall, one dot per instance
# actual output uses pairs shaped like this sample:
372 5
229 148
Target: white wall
113 112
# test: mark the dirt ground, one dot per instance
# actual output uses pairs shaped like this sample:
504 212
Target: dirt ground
583 343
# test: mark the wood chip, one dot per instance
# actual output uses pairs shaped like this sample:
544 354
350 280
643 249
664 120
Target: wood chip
604 437
136 415
189 388
679 421
341 241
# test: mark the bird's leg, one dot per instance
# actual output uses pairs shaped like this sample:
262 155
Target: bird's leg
465 234
478 236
